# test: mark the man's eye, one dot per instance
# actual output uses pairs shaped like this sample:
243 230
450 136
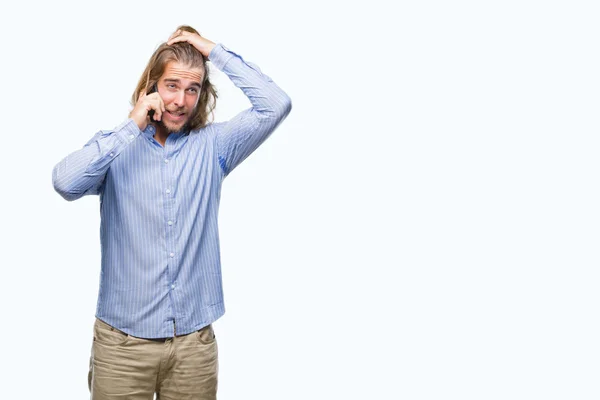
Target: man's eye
193 90
171 86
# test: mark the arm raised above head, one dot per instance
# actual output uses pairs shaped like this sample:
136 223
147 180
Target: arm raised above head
240 136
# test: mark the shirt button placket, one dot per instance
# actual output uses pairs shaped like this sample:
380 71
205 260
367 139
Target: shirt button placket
169 217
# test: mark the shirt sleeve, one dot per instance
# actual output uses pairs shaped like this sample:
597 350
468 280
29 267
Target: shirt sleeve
237 138
83 171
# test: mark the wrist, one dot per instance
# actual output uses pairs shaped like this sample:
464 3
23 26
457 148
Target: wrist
208 50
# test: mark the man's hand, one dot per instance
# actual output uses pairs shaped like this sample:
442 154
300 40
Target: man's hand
145 104
204 46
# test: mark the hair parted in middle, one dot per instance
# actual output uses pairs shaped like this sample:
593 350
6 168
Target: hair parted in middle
184 53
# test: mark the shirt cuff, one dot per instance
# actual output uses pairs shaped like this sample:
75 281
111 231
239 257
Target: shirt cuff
128 131
219 56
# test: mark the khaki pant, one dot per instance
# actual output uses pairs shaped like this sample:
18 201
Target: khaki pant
129 368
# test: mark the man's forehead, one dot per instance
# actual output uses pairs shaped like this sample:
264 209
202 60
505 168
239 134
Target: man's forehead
177 70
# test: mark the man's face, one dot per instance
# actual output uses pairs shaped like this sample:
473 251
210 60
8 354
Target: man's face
179 87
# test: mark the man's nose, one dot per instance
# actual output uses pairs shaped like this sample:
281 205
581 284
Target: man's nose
179 98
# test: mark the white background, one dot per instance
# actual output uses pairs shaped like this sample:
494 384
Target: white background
423 225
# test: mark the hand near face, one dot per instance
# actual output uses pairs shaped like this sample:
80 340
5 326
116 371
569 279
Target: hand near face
201 44
145 104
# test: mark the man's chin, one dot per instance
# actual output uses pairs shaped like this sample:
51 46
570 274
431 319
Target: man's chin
172 128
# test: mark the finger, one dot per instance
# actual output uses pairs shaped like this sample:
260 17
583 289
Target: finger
177 39
159 100
157 116
142 94
175 34
158 110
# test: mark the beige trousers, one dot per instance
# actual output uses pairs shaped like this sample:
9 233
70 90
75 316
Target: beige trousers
129 368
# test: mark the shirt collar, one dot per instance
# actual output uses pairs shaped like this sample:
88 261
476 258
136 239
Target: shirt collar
151 130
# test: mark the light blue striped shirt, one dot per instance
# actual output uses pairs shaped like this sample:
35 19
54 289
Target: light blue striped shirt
161 269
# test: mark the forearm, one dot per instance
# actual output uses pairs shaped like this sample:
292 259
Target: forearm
82 172
268 100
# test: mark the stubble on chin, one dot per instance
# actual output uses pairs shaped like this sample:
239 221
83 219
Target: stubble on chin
174 129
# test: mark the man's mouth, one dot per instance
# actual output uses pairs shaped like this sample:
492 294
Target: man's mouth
176 115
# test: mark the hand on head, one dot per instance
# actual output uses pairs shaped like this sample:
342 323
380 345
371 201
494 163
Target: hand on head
185 34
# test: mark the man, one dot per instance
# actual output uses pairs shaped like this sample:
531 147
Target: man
159 176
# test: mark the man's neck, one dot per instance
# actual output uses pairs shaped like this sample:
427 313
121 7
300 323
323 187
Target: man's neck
161 135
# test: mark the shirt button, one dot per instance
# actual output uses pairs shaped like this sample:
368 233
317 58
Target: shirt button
166 160
172 255
172 286
131 137
170 222
112 154
168 191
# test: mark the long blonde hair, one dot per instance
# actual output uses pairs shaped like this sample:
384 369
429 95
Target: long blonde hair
184 53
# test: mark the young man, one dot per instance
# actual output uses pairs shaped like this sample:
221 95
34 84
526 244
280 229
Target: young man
159 177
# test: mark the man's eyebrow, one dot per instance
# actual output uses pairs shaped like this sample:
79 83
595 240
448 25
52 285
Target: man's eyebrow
175 80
